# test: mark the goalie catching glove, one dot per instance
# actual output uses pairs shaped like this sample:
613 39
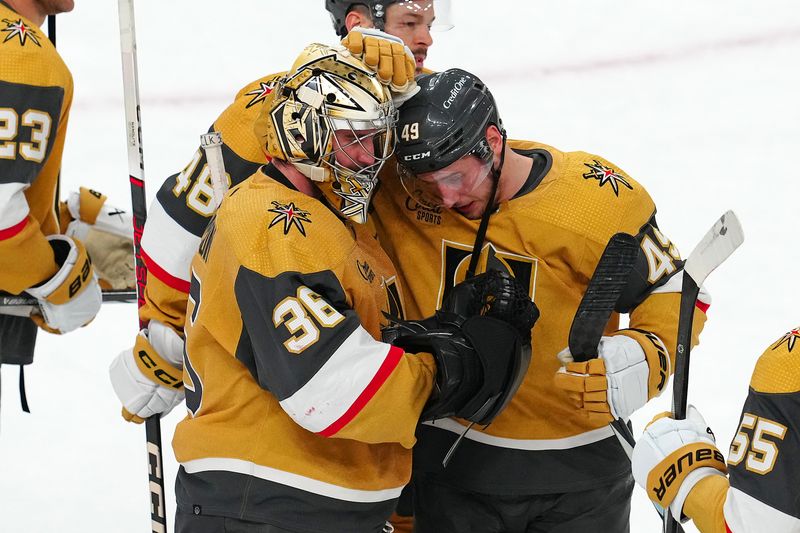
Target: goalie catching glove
480 340
673 456
620 380
107 232
387 56
148 378
71 297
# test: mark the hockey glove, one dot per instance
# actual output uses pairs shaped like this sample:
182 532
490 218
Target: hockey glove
673 456
621 380
479 366
107 232
71 298
148 378
388 57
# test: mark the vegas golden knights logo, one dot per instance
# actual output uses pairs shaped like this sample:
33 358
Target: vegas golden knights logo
456 258
393 302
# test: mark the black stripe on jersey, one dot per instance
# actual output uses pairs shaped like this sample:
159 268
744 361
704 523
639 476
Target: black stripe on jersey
176 207
505 471
273 366
249 498
28 102
778 487
639 286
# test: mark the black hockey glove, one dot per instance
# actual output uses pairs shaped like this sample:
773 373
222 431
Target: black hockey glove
479 366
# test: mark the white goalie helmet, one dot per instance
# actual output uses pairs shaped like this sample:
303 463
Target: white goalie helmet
332 119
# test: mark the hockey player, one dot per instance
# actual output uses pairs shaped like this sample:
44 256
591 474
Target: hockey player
299 419
184 205
543 464
679 465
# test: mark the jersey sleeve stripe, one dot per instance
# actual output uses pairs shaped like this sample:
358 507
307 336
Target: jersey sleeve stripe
169 247
13 205
165 277
388 366
675 283
343 385
746 513
702 305
7 233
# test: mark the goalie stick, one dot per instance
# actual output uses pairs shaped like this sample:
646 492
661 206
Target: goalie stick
608 281
716 246
211 143
133 129
108 296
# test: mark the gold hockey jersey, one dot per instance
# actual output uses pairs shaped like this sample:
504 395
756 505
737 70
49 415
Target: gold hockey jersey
35 98
764 458
298 416
550 238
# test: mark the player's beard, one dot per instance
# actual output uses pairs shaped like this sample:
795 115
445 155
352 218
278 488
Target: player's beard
54 7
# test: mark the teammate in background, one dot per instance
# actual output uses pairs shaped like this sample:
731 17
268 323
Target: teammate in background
543 464
299 418
183 206
761 492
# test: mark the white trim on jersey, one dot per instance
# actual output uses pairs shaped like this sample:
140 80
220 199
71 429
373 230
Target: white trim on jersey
745 514
595 435
168 244
291 480
13 204
675 283
331 392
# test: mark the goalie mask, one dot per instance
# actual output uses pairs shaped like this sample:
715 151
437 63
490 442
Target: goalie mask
333 121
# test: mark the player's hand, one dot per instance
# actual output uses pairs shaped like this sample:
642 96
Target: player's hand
613 385
107 232
148 378
71 298
656 455
387 56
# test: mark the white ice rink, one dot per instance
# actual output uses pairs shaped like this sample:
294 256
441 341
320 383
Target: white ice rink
697 100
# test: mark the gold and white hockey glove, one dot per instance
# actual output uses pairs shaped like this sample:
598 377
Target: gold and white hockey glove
107 232
71 298
673 456
148 378
620 380
388 57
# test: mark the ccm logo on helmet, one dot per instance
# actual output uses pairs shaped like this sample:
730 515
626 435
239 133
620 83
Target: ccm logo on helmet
457 86
416 157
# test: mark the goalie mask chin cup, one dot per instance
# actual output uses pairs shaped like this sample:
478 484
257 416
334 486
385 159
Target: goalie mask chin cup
332 119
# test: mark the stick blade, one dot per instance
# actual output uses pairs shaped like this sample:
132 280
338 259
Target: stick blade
725 236
601 296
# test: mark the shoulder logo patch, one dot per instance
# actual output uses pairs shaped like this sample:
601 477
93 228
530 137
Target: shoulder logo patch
604 174
259 95
290 215
790 339
19 29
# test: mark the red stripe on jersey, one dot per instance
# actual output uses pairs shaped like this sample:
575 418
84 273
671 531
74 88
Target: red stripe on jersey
727 529
388 366
13 230
702 306
163 276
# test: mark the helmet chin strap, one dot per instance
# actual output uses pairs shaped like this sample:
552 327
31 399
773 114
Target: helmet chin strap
491 206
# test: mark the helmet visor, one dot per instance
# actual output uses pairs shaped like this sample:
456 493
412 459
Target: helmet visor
443 186
437 14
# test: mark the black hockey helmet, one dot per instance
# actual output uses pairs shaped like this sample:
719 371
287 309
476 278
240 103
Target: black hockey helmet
444 121
340 8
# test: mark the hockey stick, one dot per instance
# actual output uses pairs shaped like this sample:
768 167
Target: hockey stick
133 129
212 145
108 296
606 286
717 245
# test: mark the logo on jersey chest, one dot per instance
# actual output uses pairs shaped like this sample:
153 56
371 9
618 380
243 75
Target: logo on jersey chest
425 215
790 339
291 216
604 174
456 258
366 271
19 29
